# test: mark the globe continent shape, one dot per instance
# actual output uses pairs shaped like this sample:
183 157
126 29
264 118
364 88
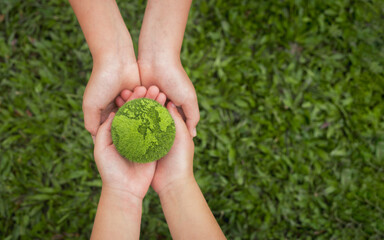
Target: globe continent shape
143 130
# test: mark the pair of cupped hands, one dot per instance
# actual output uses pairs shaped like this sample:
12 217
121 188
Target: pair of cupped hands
102 98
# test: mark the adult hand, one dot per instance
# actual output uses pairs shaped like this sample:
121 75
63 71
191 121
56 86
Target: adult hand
171 78
160 41
108 79
114 61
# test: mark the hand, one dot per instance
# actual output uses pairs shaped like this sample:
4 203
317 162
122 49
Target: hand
109 77
171 78
115 171
185 209
114 61
177 165
160 41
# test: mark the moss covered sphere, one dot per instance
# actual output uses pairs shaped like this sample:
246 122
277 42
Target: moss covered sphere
143 130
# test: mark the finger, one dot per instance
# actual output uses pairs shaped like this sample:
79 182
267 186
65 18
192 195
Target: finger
91 118
161 98
139 92
125 94
192 114
152 92
119 101
104 137
179 122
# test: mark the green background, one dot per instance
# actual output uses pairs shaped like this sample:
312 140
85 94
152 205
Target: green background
290 143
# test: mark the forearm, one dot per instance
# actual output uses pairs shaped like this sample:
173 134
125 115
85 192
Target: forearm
187 213
104 29
163 29
118 216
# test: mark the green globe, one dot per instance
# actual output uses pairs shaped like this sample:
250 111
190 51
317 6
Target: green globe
143 130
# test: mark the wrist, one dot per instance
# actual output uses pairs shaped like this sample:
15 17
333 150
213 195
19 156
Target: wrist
157 48
116 60
158 59
176 187
157 68
125 200
120 65
120 53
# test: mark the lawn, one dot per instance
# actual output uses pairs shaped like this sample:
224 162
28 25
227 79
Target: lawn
290 144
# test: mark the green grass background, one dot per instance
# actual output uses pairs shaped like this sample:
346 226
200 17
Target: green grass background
291 139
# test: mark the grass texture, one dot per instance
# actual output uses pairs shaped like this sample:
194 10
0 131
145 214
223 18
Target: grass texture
290 144
143 130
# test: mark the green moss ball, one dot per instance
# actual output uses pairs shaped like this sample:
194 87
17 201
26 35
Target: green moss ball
143 130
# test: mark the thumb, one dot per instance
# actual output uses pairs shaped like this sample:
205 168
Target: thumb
91 118
104 136
192 114
179 122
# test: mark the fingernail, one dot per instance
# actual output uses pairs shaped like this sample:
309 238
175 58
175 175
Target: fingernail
173 105
194 133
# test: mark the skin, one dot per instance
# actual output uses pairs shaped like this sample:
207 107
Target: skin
184 206
160 41
114 63
124 183
185 209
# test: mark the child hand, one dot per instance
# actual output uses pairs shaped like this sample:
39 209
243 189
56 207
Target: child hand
185 209
116 172
177 165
